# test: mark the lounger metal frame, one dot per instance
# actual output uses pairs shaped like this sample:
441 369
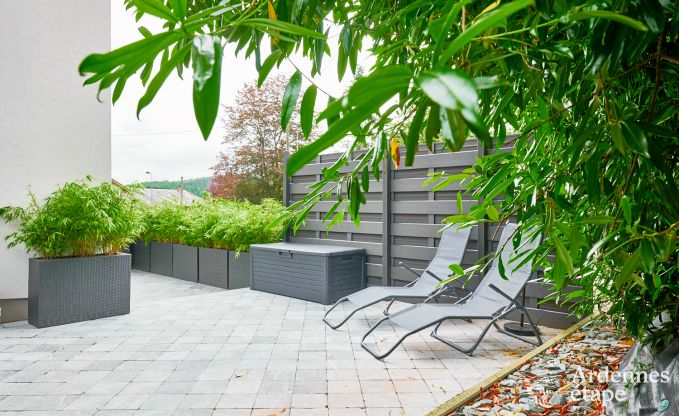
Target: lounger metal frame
434 295
511 307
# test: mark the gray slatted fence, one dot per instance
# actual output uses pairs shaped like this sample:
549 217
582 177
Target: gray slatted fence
400 221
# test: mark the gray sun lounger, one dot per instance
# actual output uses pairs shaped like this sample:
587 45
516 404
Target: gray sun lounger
450 251
492 300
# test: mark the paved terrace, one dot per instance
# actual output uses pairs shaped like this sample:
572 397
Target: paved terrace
190 349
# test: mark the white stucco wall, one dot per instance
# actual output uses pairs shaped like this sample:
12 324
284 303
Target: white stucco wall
52 130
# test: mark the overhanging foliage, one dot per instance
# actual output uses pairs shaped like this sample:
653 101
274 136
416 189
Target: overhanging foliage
591 85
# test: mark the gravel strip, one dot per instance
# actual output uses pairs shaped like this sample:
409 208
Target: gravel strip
565 380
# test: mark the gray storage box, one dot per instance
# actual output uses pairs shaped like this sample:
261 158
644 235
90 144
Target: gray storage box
185 262
141 256
161 258
317 273
74 289
213 267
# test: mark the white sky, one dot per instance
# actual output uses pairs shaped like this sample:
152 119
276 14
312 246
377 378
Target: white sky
166 140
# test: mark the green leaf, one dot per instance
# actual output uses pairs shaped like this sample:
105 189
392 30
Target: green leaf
616 134
307 110
335 133
365 179
145 32
413 138
598 220
492 213
433 126
460 207
267 65
379 86
346 39
608 15
158 80
629 269
290 97
259 23
563 256
453 129
450 88
635 138
647 257
626 208
144 50
207 71
156 8
439 28
486 21
341 64
179 7
456 269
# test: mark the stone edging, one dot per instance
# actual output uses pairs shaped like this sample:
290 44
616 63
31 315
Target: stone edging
473 392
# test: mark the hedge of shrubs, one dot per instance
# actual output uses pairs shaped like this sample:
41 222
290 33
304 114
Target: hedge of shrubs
78 219
213 223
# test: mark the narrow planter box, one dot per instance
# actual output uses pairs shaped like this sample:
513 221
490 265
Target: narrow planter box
161 258
75 289
213 267
141 256
185 262
317 273
239 270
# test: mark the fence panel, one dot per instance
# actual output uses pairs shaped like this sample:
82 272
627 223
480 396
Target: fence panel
400 221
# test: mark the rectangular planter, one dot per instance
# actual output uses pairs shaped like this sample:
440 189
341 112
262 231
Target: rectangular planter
185 262
161 258
141 256
239 270
213 267
317 273
75 289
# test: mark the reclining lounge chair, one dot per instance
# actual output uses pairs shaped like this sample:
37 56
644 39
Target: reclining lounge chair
493 299
450 251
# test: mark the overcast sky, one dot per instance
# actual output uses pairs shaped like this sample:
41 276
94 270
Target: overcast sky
166 140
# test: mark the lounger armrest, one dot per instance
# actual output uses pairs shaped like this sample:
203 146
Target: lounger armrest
497 289
433 275
402 264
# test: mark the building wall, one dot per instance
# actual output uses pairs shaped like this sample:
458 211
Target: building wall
52 130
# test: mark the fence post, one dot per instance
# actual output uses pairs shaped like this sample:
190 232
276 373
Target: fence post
483 243
386 222
286 190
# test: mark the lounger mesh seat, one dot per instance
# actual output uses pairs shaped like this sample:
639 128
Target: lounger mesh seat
493 299
450 251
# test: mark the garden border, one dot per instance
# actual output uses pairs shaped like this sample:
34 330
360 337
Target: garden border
473 392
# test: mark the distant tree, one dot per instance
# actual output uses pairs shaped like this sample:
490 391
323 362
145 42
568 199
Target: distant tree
251 166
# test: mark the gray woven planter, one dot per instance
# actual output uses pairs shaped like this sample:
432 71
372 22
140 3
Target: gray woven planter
75 289
161 258
213 267
141 256
185 262
239 270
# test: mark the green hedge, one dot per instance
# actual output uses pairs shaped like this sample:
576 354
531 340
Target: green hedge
213 223
78 219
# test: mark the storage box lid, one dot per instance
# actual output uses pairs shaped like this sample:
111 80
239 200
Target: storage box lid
316 249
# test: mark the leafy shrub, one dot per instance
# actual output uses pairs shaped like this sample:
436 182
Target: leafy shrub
245 224
167 222
77 220
213 223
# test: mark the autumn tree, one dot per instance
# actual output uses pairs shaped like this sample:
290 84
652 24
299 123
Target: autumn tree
251 166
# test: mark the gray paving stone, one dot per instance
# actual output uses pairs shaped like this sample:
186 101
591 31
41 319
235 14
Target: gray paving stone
189 349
